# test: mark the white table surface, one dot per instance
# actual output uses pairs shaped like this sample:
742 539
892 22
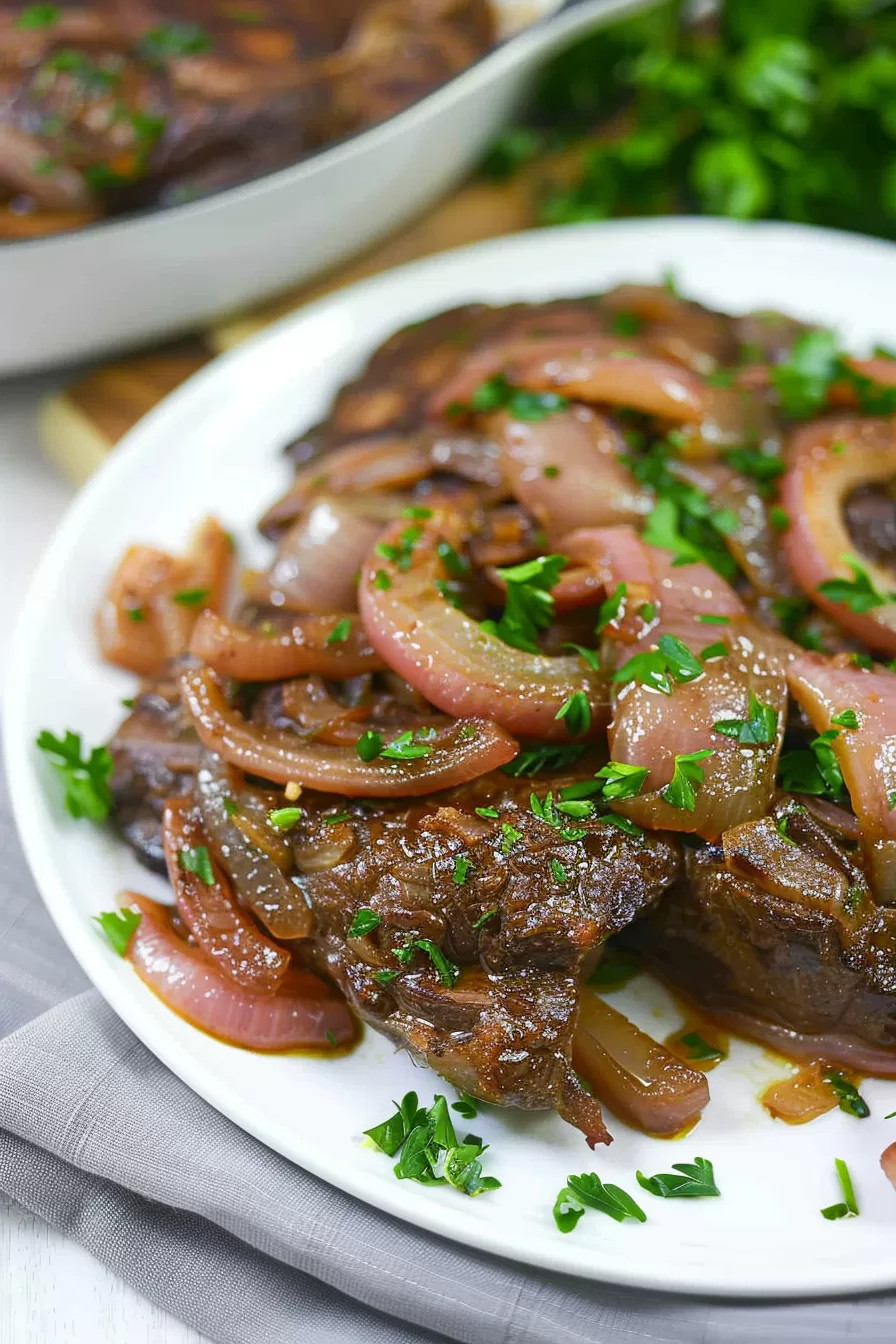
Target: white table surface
51 1291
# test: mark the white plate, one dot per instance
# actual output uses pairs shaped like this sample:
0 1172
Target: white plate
126 281
214 445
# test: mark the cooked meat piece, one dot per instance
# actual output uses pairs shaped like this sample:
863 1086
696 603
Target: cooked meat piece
116 106
156 755
782 942
506 898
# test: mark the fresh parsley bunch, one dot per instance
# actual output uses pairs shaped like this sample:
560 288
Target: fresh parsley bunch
767 109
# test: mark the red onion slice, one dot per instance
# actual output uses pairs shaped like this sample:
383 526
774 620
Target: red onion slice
248 655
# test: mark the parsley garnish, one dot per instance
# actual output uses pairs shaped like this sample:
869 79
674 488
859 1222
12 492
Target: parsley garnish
462 866
364 922
542 756
118 926
621 780
369 745
698 1048
496 394
558 872
672 660
427 1147
576 713
87 792
623 323
553 813
760 466
695 1180
340 632
191 597
405 748
760 728
717 650
385 977
815 771
803 378
39 16
336 818
709 618
848 1097
529 607
588 1191
382 581
589 656
466 1106
198 861
491 812
456 566
779 518
509 837
687 779
614 970
485 917
169 41
858 593
793 614
680 661
647 611
622 824
283 818
848 1208
847 718
610 608
402 553
448 973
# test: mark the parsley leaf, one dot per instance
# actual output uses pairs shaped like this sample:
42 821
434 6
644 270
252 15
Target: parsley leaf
405 748
284 818
576 713
497 394
858 593
340 632
191 597
687 779
369 745
169 41
803 378
621 780
540 757
427 1147
198 861
118 928
698 1048
815 771
692 1180
38 16
529 607
614 970
588 1191
848 1096
847 718
610 608
87 792
364 922
848 1208
760 728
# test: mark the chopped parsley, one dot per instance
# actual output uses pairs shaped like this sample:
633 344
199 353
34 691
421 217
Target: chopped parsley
385 977
779 518
680 661
847 718
39 16
848 1208
466 1106
576 714
498 394
369 745
687 1180
402 552
456 565
136 614
553 814
793 615
169 41
284 818
717 650
118 927
803 378
364 922
540 757
622 824
588 1191
447 972
687 779
427 1147
698 1048
814 771
87 792
759 728
529 607
491 812
710 618
462 866
762 467
191 597
509 837
558 872
198 861
405 748
382 581
336 818
848 1096
589 656
857 593
614 970
647 611
670 661
485 917
621 780
340 632
623 323
610 608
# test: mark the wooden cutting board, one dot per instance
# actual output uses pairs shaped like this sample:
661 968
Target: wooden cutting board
81 425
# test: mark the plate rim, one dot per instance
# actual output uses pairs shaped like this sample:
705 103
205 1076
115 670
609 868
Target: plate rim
88 951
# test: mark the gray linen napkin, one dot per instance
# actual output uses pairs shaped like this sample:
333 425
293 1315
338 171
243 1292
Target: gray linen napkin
98 1138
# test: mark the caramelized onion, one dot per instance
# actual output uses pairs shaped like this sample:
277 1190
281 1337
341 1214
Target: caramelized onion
304 1012
566 469
248 655
228 936
318 558
824 687
252 864
639 1079
151 604
452 660
465 750
888 1163
377 463
822 474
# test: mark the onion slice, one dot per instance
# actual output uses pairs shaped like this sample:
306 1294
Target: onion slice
247 655
822 474
227 935
304 1012
888 1163
452 660
464 750
640 1080
823 688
